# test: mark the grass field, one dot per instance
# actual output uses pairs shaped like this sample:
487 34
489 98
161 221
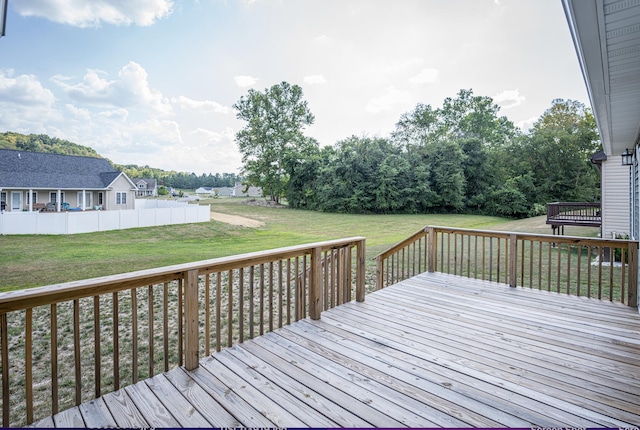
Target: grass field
29 261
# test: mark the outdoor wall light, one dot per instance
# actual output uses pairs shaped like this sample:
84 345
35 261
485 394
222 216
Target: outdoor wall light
627 157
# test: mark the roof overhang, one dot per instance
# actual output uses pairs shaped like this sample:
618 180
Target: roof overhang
606 35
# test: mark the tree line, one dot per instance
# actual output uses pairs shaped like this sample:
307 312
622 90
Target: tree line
459 158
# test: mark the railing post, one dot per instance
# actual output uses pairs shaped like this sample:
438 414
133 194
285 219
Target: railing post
379 272
432 241
315 287
513 260
192 347
360 270
632 291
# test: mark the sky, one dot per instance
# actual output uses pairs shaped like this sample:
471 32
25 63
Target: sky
153 82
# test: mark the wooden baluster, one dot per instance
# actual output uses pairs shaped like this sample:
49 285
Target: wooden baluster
151 327
568 268
251 301
134 335
207 313
589 272
288 291
315 285
180 319
116 343
192 347
96 344
76 350
230 309
558 268
218 311
601 257
513 261
623 259
6 401
241 305
280 295
360 270
539 265
53 321
612 258
530 264
28 363
261 299
271 296
632 291
165 325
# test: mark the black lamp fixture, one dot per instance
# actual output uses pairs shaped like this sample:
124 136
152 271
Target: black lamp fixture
4 5
627 157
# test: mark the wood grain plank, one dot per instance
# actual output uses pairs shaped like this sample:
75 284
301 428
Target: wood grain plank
96 414
151 408
123 410
369 405
210 409
179 408
229 399
70 418
271 410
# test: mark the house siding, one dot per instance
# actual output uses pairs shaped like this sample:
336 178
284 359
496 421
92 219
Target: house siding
120 185
615 198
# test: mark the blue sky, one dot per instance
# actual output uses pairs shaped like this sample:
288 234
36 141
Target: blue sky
153 81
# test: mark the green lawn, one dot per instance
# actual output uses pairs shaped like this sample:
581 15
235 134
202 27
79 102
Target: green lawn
28 260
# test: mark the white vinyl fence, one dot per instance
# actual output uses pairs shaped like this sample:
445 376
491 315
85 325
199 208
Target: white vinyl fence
90 221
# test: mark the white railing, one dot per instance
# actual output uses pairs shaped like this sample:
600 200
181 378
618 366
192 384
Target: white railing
92 221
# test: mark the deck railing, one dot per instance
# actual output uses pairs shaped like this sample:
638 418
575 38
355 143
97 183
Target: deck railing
65 344
598 268
574 213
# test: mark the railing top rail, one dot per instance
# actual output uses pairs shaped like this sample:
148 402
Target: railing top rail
575 240
39 296
587 204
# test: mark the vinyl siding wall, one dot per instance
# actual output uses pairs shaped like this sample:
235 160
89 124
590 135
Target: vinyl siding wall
615 198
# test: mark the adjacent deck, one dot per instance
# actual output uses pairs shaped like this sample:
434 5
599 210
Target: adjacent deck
434 350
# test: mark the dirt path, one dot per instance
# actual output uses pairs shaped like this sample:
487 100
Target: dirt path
236 220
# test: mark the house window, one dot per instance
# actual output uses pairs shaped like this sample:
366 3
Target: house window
121 198
140 185
100 198
34 195
53 197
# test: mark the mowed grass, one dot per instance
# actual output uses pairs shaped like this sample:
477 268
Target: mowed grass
30 260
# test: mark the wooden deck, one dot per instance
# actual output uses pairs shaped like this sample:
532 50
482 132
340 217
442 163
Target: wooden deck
434 350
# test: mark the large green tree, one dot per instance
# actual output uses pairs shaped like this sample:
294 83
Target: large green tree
273 141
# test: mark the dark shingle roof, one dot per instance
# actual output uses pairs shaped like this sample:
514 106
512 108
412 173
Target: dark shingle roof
19 169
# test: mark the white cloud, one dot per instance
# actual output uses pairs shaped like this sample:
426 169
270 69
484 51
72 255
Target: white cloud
131 89
395 67
214 136
509 98
83 13
526 124
388 100
201 105
25 90
78 113
314 79
426 76
245 81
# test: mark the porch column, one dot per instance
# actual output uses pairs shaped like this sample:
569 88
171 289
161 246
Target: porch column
84 200
30 200
58 202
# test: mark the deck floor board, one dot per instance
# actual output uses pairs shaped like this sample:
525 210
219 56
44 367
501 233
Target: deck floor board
435 350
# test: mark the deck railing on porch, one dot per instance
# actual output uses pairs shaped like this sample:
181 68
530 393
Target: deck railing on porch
65 344
598 268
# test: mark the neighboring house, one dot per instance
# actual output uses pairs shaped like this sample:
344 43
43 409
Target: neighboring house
146 187
32 181
614 195
205 190
225 191
251 192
